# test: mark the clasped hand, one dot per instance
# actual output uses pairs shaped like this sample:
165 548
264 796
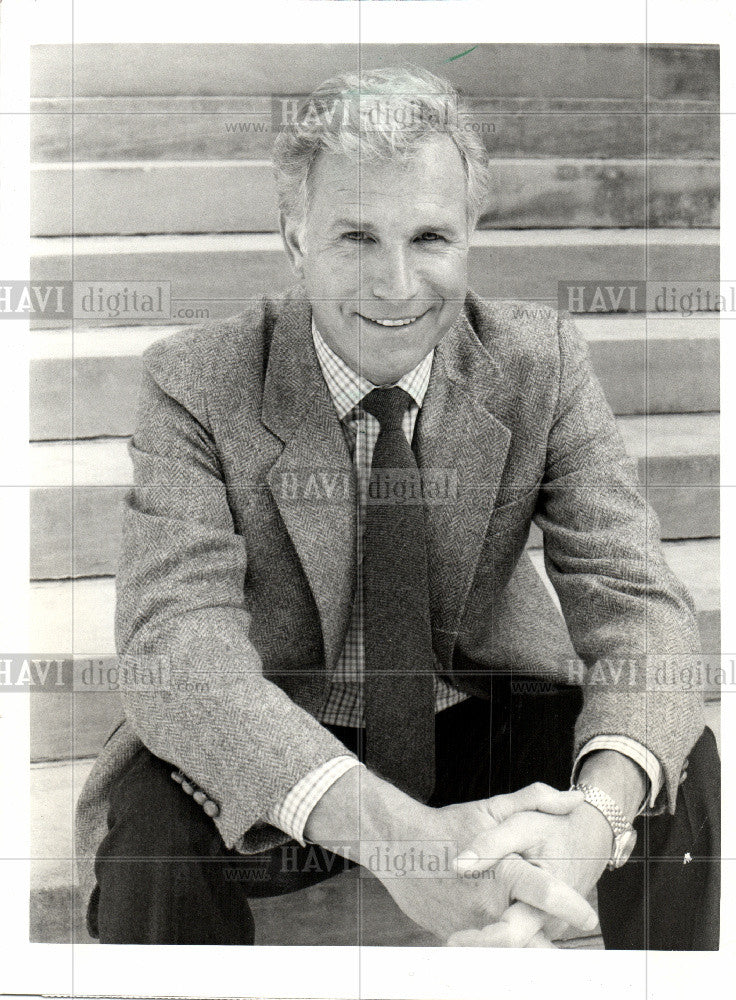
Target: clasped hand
526 862
574 847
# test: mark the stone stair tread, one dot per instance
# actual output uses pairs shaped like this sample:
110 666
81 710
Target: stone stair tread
78 616
671 434
205 196
194 127
87 604
635 72
86 246
131 341
105 462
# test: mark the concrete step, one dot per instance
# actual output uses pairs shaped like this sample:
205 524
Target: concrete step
240 127
633 72
225 196
85 385
325 914
76 617
75 529
219 273
664 445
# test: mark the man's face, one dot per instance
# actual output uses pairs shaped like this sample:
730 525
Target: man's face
383 255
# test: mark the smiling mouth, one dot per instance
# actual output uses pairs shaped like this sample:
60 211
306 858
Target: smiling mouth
405 321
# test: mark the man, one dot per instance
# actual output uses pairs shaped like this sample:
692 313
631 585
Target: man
326 546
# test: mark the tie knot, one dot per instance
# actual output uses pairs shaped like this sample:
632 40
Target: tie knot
388 406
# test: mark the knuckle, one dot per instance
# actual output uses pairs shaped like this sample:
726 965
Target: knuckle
507 870
514 874
491 806
498 807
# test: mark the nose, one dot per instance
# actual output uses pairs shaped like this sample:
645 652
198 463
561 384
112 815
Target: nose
391 274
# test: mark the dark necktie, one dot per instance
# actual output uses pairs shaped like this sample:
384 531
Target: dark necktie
398 686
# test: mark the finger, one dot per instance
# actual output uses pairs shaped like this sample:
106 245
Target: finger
514 836
536 797
520 926
546 892
517 927
540 940
555 928
503 938
497 935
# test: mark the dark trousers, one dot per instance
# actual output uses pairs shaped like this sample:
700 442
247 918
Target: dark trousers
164 875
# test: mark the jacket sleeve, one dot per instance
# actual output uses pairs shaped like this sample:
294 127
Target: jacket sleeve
630 619
181 601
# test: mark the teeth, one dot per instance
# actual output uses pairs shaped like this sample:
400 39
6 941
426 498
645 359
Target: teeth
395 322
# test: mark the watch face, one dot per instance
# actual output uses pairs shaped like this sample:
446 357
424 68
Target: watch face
623 847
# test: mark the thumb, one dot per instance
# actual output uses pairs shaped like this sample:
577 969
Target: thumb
537 797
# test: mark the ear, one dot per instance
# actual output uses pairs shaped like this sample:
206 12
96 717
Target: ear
291 234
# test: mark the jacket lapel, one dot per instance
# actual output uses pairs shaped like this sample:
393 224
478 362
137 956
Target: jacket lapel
456 431
312 480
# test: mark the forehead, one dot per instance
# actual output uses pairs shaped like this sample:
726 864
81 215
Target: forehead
432 178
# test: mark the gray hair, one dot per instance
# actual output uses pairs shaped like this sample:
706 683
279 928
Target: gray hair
377 114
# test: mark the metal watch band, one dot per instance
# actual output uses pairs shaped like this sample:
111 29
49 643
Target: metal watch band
606 805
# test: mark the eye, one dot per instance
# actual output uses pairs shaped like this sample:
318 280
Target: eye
430 237
356 236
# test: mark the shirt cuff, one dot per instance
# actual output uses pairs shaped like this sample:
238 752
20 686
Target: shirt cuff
291 814
636 752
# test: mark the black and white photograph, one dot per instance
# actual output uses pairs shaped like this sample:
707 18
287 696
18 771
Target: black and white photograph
373 492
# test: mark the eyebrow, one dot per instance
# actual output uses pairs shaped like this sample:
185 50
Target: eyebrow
354 224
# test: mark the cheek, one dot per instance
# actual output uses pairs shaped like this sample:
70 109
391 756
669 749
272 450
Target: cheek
448 276
331 274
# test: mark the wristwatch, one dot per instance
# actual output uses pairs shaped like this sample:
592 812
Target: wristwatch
624 835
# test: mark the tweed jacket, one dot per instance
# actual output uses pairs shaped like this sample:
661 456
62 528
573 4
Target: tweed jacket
238 558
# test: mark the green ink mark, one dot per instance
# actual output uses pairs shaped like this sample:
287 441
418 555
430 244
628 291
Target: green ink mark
461 54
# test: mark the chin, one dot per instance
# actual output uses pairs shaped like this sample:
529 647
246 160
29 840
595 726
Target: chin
389 378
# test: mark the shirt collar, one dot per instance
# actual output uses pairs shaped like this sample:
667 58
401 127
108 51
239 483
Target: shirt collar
347 388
